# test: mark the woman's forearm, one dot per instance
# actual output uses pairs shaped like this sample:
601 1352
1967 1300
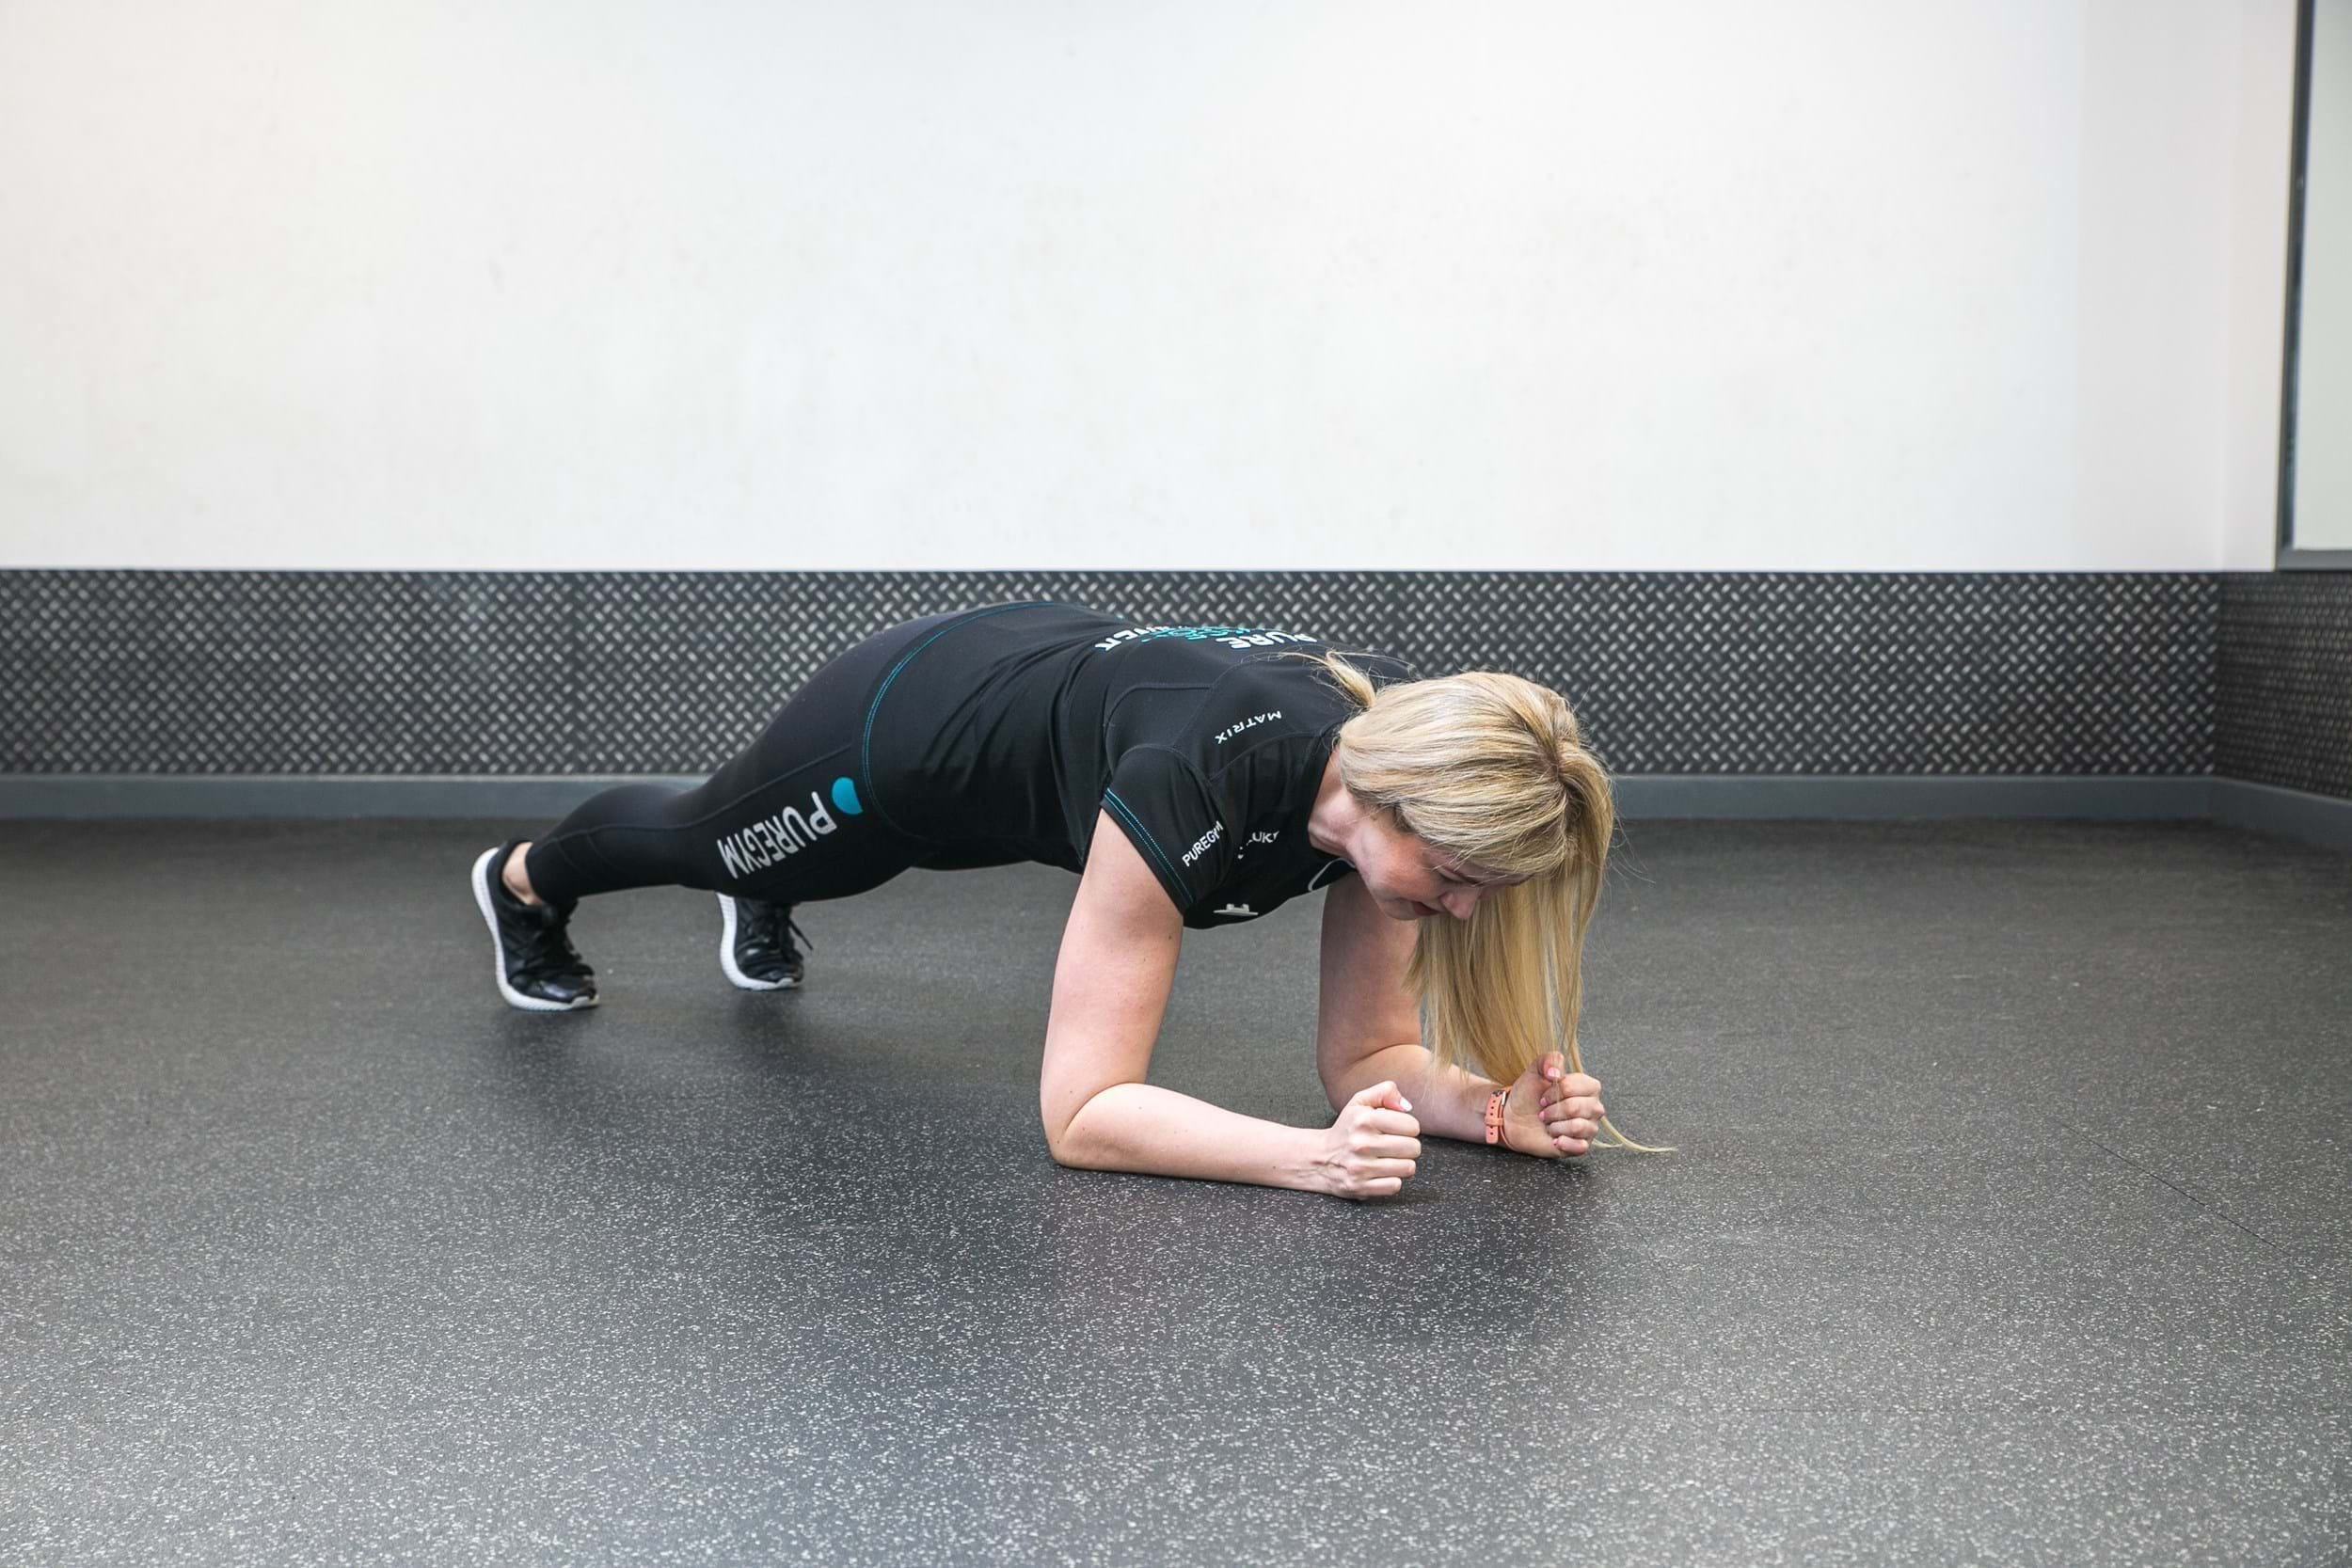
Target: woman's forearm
1452 1105
1142 1127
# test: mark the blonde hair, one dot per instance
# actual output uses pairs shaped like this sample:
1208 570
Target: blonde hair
1489 767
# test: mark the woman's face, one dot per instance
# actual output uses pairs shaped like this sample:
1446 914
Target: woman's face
1410 878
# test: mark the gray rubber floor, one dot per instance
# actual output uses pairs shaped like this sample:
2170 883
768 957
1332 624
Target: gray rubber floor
2012 1222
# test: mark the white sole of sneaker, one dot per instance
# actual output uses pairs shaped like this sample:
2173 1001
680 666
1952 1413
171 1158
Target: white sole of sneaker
726 953
482 874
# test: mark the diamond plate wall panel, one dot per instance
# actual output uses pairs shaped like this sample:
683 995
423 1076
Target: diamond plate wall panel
2286 681
671 673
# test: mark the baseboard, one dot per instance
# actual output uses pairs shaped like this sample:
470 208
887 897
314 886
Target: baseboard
1877 797
1655 796
2312 818
535 797
2296 814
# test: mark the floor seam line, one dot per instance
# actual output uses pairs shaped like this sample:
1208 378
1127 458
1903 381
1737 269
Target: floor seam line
2195 1202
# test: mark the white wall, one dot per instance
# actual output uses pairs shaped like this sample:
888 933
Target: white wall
554 283
2323 462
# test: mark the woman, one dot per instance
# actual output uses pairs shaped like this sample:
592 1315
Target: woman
1458 823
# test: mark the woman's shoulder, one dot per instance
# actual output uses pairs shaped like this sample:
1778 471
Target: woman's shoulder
1301 670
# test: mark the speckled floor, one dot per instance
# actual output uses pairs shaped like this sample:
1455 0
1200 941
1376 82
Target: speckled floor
2012 1224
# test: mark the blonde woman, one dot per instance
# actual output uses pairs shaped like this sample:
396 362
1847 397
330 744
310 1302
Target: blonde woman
1192 776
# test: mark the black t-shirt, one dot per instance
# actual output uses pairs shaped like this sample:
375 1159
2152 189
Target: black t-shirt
1001 738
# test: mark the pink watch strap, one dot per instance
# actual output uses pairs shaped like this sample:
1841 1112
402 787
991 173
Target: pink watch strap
1494 1115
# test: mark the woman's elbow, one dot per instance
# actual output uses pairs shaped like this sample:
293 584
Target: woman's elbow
1064 1139
1073 1152
1087 1140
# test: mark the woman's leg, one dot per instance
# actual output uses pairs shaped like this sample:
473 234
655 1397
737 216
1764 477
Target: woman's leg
783 821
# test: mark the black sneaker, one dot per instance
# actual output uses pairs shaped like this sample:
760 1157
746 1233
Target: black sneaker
537 968
756 943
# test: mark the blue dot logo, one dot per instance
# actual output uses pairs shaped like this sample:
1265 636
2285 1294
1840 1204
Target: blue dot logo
844 796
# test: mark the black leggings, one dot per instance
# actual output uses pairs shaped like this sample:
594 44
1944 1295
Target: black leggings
786 821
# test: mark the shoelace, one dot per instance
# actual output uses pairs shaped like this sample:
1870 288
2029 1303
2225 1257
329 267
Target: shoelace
758 927
547 949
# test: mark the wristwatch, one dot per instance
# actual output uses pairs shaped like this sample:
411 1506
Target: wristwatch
1495 1103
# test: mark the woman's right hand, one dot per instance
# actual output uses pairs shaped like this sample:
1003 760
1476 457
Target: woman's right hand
1370 1150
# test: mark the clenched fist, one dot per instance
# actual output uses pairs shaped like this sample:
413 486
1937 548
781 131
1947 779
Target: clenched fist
1554 1113
1374 1146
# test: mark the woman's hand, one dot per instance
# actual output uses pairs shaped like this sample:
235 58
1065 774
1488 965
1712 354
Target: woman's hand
1554 1113
1371 1149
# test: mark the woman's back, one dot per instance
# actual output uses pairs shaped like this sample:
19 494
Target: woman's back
999 737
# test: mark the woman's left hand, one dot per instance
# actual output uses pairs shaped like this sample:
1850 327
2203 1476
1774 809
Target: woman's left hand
1554 1113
